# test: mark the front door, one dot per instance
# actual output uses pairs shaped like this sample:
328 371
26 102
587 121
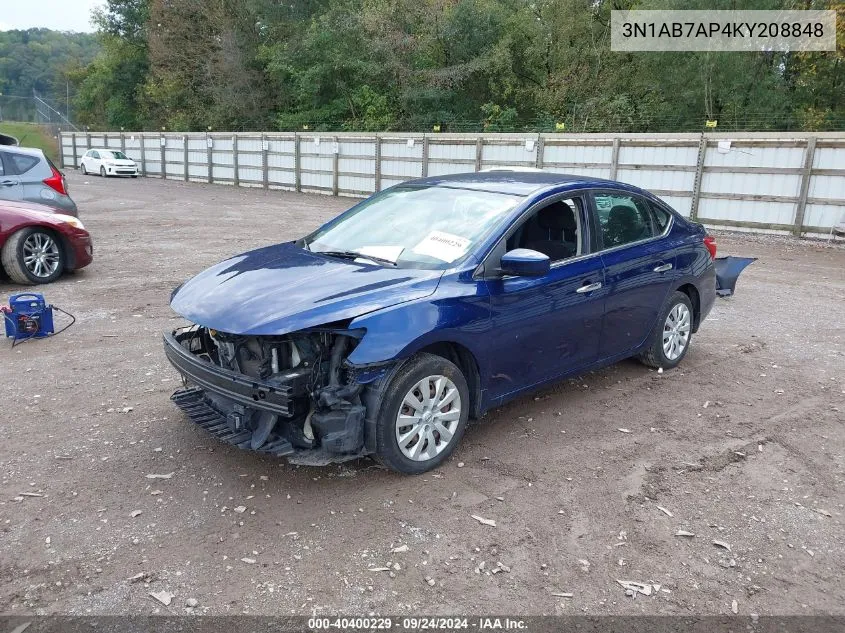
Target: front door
546 326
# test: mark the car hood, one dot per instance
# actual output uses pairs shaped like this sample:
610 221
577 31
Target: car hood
284 288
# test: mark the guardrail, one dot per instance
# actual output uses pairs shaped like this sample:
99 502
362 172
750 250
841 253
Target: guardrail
763 182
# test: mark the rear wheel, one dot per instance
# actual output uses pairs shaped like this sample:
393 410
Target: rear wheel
83 170
422 415
671 337
33 256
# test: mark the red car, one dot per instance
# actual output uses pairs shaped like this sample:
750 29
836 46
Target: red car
37 244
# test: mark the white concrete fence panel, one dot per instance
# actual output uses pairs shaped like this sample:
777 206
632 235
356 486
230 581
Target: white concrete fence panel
763 182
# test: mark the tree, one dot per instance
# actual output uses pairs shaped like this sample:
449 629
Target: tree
461 64
109 88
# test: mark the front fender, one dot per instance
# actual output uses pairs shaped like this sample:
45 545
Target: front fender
397 332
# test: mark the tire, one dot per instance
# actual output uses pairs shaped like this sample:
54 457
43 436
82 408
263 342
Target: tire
134 175
21 244
103 172
82 169
430 429
671 338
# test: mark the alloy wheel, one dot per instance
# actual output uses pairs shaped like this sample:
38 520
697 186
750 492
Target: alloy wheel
41 255
676 331
427 418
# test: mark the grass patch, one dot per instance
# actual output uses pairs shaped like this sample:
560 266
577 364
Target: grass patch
32 135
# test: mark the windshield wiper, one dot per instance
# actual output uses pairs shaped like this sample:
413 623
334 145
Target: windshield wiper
356 255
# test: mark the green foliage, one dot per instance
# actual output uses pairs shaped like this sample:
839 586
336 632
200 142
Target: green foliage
32 135
496 65
43 61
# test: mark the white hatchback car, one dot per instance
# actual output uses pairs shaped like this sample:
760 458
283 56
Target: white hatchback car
108 162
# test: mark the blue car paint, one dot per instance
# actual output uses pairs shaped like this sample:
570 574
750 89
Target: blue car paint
284 288
522 332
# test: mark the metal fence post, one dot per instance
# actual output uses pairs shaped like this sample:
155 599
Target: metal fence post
297 172
335 166
143 154
696 187
237 176
209 141
61 150
614 159
479 150
186 171
424 170
265 163
162 142
87 141
105 139
122 142
541 148
377 181
801 207
73 145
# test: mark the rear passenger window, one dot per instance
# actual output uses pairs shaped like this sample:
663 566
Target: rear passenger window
623 219
22 163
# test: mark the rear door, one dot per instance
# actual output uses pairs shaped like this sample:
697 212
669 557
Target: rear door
92 164
10 183
31 170
639 267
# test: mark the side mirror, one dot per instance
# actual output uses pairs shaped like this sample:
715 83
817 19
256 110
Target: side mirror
523 262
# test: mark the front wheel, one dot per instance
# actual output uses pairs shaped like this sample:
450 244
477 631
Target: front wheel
33 256
103 172
671 337
422 415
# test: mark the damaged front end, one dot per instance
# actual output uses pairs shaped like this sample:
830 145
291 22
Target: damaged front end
291 395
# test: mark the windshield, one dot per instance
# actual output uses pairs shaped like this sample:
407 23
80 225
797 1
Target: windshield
416 227
117 155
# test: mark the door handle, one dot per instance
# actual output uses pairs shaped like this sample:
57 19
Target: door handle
663 268
7 183
589 288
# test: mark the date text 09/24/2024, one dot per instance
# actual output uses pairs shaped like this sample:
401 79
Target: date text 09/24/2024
419 623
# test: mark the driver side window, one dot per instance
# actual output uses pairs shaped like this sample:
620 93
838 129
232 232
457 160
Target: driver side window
554 229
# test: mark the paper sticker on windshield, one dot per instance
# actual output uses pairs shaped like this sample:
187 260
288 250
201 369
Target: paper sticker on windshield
443 246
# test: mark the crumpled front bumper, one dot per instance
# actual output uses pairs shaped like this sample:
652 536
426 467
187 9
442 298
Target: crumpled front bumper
267 417
194 403
247 391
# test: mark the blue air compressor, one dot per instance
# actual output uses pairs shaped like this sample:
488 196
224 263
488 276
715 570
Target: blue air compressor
28 316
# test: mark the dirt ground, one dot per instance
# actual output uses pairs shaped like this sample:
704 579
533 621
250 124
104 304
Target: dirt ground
588 483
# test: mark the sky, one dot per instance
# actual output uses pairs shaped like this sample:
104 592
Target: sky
59 15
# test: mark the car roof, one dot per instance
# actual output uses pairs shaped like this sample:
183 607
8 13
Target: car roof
517 182
105 149
17 149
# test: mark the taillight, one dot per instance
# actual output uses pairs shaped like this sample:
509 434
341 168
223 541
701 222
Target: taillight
710 243
56 181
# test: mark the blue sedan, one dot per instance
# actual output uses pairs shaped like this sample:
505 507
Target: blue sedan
384 331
